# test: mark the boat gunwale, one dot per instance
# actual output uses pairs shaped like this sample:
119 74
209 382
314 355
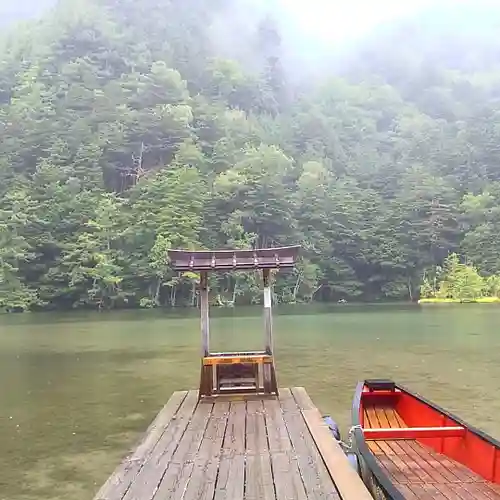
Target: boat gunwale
371 462
362 448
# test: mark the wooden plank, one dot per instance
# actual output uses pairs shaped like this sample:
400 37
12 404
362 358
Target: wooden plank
215 431
277 434
407 492
347 481
192 438
367 420
494 489
419 490
425 461
231 478
121 479
382 417
203 476
375 448
407 468
259 484
234 440
433 492
452 471
258 473
439 462
287 479
392 470
317 481
439 473
372 417
288 483
392 419
177 474
453 491
400 420
415 464
461 492
256 436
148 479
237 358
231 472
481 491
203 472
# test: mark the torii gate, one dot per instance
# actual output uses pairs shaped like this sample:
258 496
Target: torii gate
236 372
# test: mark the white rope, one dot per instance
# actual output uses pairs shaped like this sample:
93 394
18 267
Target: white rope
348 447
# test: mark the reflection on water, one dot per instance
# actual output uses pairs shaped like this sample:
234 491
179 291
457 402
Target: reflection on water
77 390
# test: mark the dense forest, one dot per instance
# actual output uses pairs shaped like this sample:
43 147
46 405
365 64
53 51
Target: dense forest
129 128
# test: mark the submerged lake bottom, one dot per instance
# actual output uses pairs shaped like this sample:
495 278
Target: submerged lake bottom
78 389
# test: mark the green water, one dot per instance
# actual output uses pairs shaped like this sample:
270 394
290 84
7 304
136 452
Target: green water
77 390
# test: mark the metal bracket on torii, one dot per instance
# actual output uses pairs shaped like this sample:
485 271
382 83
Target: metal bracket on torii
243 372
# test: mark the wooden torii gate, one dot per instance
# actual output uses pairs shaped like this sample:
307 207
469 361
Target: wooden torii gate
236 372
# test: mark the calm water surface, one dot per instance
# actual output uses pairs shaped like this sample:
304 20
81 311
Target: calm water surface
77 390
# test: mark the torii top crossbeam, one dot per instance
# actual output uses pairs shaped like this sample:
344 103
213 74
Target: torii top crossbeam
233 260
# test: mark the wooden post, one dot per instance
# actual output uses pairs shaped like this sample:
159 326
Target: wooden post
268 320
205 322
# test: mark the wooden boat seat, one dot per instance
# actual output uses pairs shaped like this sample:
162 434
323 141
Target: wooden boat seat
412 433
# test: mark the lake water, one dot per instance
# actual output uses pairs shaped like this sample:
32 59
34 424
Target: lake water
78 389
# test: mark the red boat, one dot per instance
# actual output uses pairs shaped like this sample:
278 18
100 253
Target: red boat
409 448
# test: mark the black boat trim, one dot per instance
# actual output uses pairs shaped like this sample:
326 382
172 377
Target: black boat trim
382 478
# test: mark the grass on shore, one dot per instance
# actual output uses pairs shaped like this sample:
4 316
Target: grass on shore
480 300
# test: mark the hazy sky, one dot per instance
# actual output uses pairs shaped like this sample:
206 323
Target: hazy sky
335 20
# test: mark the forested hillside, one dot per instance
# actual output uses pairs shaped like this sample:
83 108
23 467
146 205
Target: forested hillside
132 127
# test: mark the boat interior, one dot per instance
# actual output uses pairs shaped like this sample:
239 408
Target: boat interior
424 451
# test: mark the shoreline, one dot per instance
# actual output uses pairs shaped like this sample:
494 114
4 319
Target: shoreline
482 300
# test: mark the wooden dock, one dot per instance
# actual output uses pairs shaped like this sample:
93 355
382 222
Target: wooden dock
244 447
